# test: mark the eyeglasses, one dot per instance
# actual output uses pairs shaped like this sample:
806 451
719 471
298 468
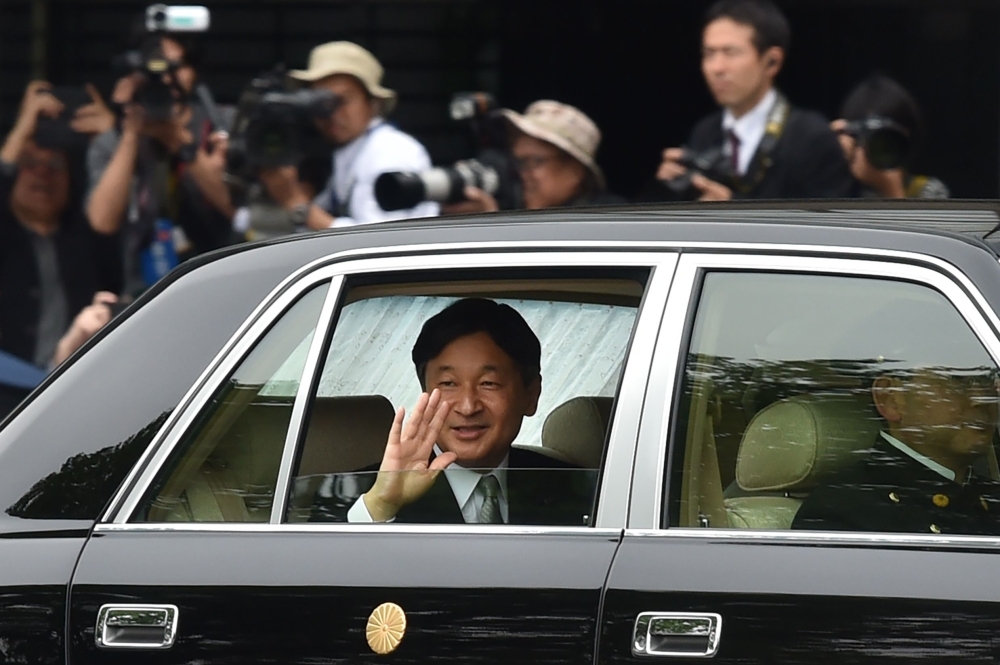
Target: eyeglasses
55 163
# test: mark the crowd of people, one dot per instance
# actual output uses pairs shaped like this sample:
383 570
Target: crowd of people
86 230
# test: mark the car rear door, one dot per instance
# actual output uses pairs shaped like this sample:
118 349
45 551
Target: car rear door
710 568
237 581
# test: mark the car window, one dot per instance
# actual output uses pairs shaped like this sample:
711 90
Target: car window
225 468
583 324
833 403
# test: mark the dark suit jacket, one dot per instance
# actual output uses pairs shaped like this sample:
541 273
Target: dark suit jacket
807 161
540 491
889 491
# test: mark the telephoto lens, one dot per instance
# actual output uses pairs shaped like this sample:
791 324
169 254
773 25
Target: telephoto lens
399 190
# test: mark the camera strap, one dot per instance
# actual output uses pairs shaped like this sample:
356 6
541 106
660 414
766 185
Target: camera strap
762 160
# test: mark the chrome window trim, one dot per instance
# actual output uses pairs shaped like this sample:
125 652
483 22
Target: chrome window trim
301 402
619 463
647 499
659 246
761 536
342 527
446 249
181 420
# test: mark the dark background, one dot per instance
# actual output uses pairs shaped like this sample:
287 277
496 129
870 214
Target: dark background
632 65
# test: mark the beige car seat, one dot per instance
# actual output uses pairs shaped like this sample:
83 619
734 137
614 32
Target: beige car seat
236 481
575 431
793 445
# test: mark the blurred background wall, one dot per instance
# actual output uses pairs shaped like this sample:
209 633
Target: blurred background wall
632 65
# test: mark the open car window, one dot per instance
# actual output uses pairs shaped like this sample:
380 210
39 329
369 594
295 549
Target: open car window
583 324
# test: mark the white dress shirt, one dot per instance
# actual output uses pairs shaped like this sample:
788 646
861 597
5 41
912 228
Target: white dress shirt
464 485
749 129
923 459
357 164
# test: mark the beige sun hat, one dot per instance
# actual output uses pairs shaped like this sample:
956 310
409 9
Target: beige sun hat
565 127
347 58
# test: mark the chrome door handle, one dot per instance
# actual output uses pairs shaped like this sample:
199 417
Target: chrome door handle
136 626
677 634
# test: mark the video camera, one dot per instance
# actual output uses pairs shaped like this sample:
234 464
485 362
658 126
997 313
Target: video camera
274 125
886 142
159 89
491 170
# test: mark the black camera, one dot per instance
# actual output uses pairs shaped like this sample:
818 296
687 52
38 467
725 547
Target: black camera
274 125
886 142
491 170
712 163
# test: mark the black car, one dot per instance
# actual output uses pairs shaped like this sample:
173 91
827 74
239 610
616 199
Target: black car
179 491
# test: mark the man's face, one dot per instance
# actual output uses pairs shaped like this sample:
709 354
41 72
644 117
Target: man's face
184 74
488 398
949 414
737 75
42 185
550 176
352 117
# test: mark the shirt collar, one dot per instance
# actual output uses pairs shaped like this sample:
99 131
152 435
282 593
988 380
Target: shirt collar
753 120
464 481
923 459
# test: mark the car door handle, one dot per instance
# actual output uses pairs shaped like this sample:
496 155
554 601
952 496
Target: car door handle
677 634
136 626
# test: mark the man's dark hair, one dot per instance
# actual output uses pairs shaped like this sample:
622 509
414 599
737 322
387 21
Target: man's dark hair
502 323
879 95
769 24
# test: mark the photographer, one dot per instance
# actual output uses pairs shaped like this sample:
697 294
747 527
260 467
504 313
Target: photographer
143 179
758 146
365 145
52 265
553 147
880 122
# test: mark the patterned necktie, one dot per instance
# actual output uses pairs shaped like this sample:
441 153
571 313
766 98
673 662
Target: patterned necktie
489 513
734 150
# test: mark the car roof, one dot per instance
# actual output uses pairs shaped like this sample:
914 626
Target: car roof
819 222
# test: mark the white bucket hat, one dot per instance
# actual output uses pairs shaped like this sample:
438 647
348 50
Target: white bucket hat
565 127
347 58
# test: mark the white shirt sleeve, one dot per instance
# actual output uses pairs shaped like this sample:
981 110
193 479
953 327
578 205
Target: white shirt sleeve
358 514
388 149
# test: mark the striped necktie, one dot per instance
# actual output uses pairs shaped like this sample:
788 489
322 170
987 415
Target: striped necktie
489 513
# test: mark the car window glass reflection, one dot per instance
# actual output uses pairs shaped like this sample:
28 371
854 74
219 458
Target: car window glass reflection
835 403
226 467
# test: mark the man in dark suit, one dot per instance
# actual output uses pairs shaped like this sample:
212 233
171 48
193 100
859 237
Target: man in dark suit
929 470
763 146
451 462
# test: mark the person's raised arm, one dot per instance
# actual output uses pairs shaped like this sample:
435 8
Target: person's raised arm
109 198
36 102
406 472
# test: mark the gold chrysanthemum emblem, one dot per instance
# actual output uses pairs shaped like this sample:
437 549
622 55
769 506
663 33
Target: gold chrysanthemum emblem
386 627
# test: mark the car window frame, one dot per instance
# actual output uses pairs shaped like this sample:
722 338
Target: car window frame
661 418
617 470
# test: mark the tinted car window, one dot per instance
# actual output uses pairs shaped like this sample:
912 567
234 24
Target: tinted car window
835 403
225 468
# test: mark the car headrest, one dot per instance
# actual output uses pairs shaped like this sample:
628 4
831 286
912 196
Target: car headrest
574 432
799 442
346 434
